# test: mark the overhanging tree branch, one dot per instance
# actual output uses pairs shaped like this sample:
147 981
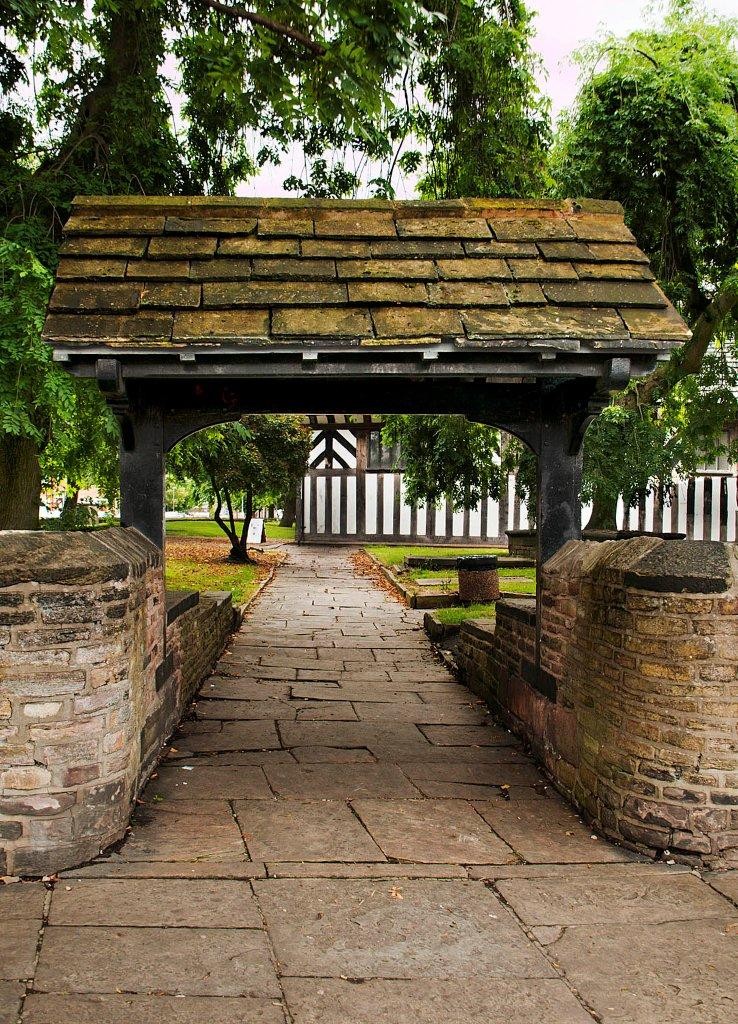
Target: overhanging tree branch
690 358
274 26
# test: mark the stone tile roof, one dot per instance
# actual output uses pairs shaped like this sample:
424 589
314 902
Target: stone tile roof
157 274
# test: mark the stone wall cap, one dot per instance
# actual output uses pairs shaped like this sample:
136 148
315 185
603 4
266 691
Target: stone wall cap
74 557
686 567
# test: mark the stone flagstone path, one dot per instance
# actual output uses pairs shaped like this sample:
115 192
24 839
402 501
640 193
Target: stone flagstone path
341 835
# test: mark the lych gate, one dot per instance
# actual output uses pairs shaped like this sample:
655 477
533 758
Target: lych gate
522 315
525 316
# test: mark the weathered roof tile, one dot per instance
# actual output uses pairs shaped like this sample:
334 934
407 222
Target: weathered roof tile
604 293
541 270
266 293
392 270
371 292
182 246
277 270
240 323
546 321
467 293
442 227
530 229
91 270
95 296
412 321
171 272
487 268
251 245
175 294
330 322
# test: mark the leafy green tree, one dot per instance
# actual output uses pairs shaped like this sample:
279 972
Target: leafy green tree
251 459
445 457
481 118
655 126
88 109
483 125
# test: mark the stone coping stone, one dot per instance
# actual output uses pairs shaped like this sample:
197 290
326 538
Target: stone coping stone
180 601
686 567
74 558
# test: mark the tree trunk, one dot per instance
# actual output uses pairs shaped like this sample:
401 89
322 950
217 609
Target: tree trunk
20 483
604 512
71 502
289 512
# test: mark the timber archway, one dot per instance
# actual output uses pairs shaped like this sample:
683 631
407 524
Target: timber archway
521 315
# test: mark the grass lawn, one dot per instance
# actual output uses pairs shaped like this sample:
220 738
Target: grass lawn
393 556
201 563
512 581
186 574
458 614
207 528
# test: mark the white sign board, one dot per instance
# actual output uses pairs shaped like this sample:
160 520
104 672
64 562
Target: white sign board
257 533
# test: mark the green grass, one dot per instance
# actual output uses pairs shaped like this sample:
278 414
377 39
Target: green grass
393 556
518 586
453 616
183 574
207 528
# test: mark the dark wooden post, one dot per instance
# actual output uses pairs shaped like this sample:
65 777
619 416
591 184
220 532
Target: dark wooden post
559 516
142 472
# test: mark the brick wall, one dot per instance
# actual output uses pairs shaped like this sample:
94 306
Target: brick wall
635 710
90 686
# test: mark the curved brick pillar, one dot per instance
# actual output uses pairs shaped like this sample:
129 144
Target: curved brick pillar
642 639
81 637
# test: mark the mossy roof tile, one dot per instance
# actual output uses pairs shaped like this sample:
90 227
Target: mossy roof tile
480 274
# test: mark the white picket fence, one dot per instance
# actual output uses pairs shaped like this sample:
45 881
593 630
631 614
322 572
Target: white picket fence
341 506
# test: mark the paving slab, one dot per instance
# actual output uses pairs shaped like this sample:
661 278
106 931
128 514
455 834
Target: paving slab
604 895
544 828
412 928
167 834
673 973
22 901
194 781
11 993
385 869
333 755
365 694
177 961
431 831
167 869
132 1009
464 735
156 902
221 687
304 831
245 710
330 1001
349 782
234 736
229 758
725 882
18 940
420 714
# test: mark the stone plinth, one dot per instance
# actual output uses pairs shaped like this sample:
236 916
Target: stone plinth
634 710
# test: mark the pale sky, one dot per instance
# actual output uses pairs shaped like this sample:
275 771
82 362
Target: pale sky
562 26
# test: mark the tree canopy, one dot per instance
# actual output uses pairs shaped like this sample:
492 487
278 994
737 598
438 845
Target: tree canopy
253 459
148 96
655 126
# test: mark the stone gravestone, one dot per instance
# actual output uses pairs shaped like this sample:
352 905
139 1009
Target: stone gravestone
257 532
